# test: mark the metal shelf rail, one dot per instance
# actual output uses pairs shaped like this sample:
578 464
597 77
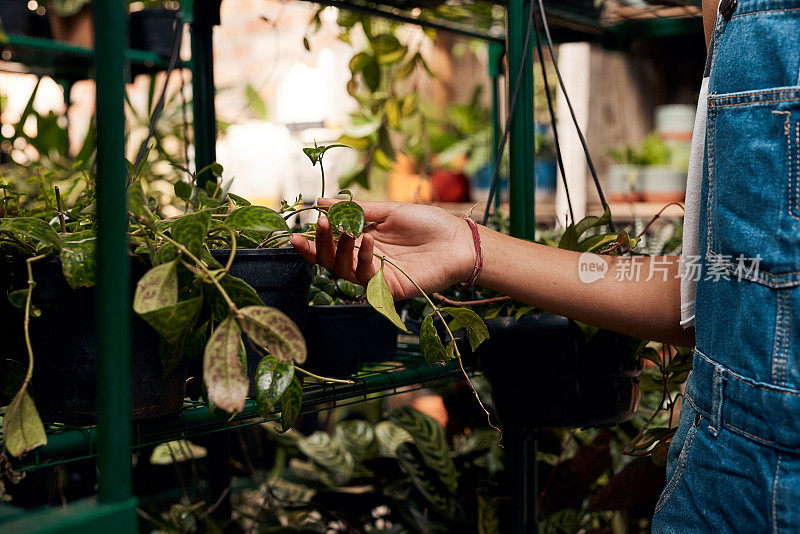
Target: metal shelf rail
111 441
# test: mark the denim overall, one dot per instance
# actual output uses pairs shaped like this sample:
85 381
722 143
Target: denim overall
734 463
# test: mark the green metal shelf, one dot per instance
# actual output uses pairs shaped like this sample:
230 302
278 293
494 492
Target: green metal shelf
46 57
374 380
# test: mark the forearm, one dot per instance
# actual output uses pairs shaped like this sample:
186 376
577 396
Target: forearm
645 305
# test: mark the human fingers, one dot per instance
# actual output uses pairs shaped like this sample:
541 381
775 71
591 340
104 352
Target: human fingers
365 269
343 263
304 247
324 243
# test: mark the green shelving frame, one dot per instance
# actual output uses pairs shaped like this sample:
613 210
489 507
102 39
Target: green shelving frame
113 439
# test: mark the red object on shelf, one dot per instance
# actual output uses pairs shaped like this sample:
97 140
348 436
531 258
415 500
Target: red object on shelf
450 186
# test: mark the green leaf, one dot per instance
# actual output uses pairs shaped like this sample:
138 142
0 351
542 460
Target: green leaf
595 242
34 229
183 190
316 153
591 222
358 437
256 218
372 74
190 230
651 354
413 464
430 439
272 379
172 321
389 437
430 344
19 299
23 430
474 325
271 328
240 201
569 241
329 454
237 289
347 217
157 289
223 374
78 263
137 204
215 169
290 404
385 143
320 298
349 289
195 341
380 297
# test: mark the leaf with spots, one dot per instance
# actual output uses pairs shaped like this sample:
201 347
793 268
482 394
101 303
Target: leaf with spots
256 219
347 217
430 344
31 229
78 262
190 230
172 321
223 374
380 297
272 379
272 329
290 404
157 289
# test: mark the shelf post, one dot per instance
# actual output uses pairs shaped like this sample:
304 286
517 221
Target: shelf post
113 279
496 53
204 16
521 174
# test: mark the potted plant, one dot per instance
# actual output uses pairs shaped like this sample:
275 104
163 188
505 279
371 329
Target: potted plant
343 329
71 22
652 171
154 27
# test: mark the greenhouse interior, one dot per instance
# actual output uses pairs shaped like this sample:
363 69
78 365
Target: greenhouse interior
398 266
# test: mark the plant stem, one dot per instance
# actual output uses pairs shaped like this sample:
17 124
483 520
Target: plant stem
200 265
233 250
60 210
464 303
306 208
26 326
323 378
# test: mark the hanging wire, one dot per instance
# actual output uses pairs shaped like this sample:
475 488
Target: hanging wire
552 118
572 112
511 109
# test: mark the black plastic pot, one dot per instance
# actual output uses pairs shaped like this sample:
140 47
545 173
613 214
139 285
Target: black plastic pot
15 16
154 30
544 374
340 338
65 349
280 277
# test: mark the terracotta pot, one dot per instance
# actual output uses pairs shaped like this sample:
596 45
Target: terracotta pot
450 186
74 29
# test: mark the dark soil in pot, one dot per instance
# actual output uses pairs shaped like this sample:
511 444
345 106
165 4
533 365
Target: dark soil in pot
15 17
340 338
154 30
280 277
65 349
545 374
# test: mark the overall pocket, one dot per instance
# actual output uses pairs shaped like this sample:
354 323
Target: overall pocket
753 200
679 451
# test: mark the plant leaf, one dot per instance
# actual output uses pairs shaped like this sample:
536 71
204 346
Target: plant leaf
256 218
430 439
347 217
474 325
328 453
389 437
19 299
271 328
33 229
237 289
223 374
290 404
272 379
190 230
23 430
183 190
430 344
358 437
380 297
137 204
316 153
78 263
413 464
157 289
590 222
171 321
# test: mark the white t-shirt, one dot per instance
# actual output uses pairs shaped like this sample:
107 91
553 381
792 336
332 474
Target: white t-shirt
691 219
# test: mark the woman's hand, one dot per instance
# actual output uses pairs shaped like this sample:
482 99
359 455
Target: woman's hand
432 246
